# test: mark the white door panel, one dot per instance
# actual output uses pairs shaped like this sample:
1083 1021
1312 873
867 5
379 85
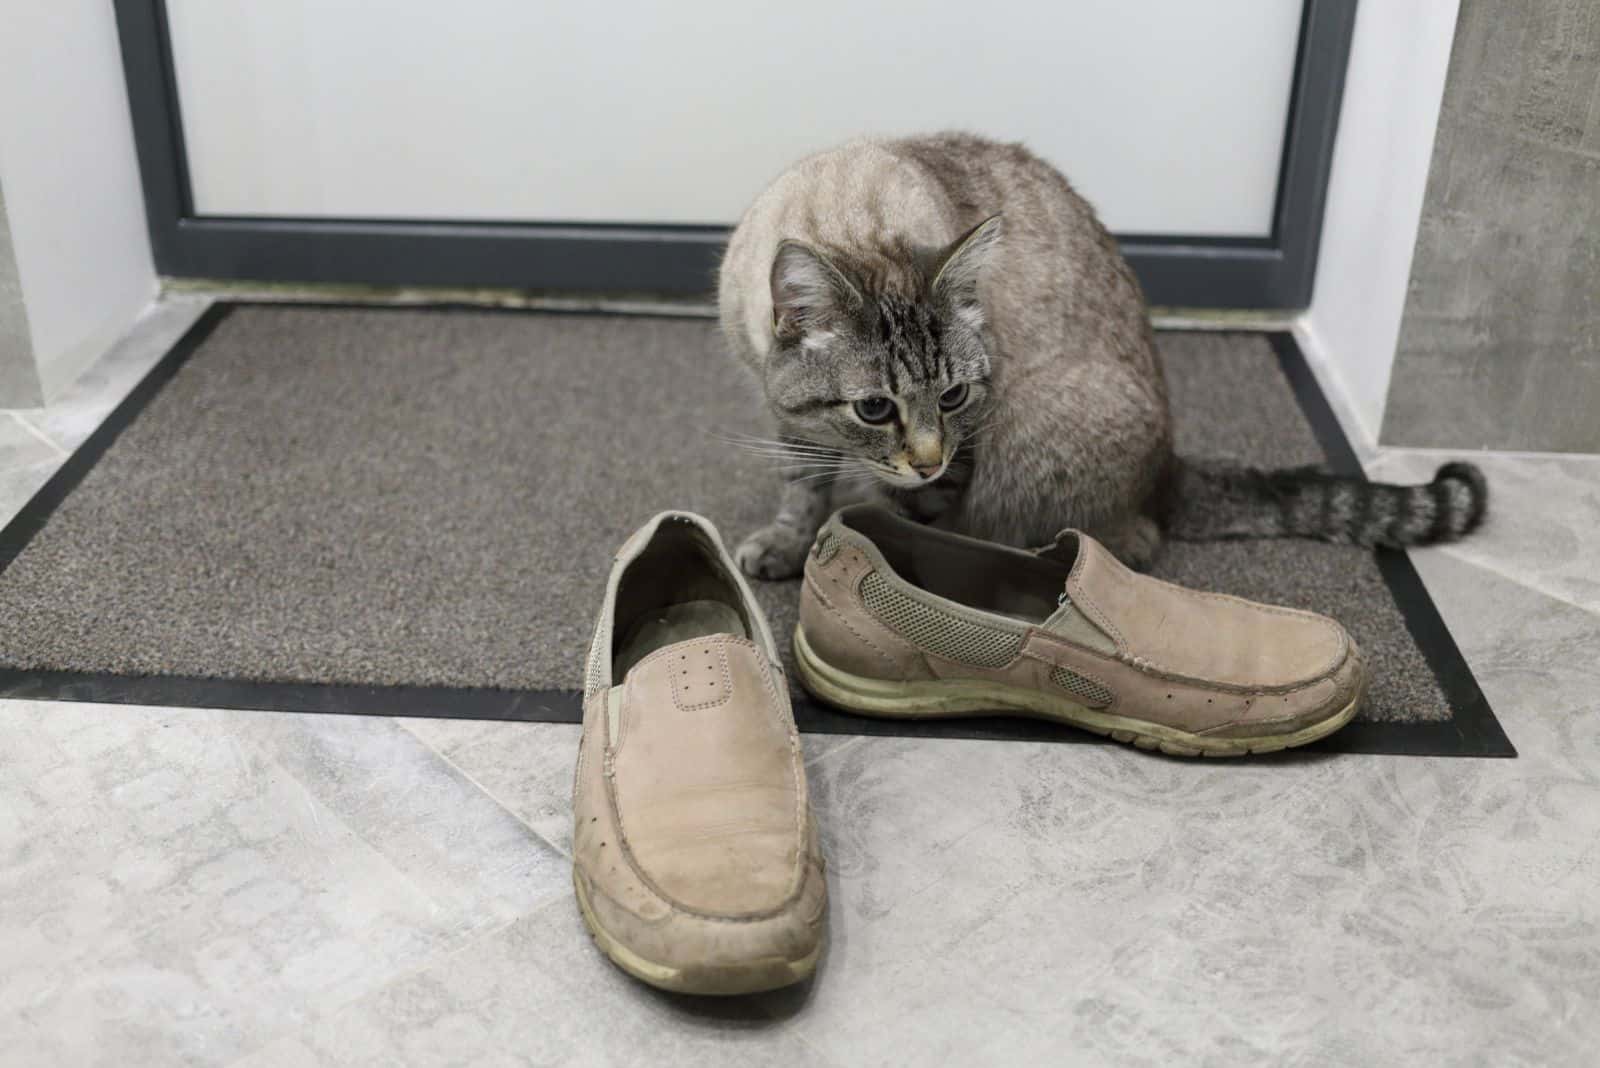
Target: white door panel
1169 116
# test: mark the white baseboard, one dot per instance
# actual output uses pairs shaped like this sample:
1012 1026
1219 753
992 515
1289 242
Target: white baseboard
1363 438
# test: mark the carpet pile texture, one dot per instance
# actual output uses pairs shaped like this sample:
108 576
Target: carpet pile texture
432 497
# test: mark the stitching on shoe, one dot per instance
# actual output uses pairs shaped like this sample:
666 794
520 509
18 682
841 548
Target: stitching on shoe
1150 670
783 712
668 650
885 570
583 762
1166 672
816 588
1087 603
664 653
622 724
596 889
1329 626
802 855
727 682
1116 698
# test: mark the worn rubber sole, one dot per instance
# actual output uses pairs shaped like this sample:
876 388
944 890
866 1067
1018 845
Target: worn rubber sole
747 977
932 699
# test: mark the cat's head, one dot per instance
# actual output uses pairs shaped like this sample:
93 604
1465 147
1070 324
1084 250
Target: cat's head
890 375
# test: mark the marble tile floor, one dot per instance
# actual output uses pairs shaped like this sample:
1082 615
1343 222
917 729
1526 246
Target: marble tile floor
34 441
187 886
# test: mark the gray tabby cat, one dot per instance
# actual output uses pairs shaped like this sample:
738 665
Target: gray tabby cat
942 322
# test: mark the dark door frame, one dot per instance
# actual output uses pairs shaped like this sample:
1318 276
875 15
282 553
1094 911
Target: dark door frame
1266 273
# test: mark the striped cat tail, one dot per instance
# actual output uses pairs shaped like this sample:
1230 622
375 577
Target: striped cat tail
1212 501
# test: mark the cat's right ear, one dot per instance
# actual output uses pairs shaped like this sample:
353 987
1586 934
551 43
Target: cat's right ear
965 260
808 292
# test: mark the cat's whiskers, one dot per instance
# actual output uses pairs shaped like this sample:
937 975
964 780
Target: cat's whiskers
792 455
797 460
812 465
779 446
825 477
746 441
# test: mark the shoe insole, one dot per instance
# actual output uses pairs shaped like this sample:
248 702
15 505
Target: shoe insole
671 624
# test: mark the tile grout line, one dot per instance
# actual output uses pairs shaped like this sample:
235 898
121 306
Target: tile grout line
853 743
844 747
55 447
113 391
789 1026
1515 580
484 790
1475 454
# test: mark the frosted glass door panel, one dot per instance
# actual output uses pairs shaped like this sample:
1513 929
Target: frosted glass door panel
1169 116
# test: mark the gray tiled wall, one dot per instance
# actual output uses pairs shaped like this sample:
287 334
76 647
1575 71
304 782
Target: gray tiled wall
1500 345
19 379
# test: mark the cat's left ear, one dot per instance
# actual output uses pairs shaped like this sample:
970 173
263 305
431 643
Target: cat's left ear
963 264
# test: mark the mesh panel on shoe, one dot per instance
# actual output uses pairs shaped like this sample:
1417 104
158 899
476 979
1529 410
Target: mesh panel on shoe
826 546
1086 690
940 633
594 677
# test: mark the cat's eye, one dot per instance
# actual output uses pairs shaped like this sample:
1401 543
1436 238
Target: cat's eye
954 397
874 409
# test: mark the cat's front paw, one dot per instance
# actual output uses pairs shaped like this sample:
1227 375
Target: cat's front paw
1135 542
773 552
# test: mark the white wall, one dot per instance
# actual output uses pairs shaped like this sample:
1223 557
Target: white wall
72 194
1391 105
642 111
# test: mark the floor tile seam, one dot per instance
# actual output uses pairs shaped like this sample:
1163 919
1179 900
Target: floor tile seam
481 788
1454 552
855 742
60 451
1470 454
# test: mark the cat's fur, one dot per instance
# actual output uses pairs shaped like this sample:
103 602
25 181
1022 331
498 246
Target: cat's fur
907 268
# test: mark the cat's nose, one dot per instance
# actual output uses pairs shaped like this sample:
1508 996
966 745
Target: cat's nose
924 454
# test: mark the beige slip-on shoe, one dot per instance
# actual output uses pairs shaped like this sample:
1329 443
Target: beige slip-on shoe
695 856
898 619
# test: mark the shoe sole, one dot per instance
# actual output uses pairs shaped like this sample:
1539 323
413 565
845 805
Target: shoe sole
747 977
965 697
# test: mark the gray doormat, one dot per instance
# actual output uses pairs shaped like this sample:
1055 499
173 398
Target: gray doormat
412 512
